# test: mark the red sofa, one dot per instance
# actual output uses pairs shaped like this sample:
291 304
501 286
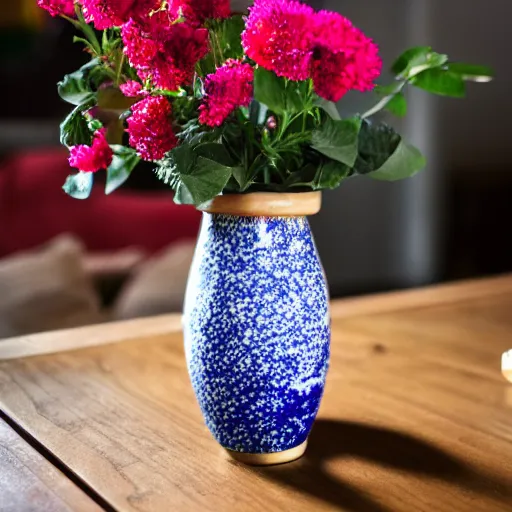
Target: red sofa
34 209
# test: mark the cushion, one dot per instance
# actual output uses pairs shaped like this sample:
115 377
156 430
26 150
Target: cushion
46 289
158 285
147 220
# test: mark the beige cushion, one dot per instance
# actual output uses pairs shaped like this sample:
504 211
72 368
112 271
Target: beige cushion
46 289
158 285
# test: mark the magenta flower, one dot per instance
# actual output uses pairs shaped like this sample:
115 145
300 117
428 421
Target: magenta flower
113 13
344 58
133 89
292 40
227 89
165 53
150 128
58 7
92 158
277 37
197 11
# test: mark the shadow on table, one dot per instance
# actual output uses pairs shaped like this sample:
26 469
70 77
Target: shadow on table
388 448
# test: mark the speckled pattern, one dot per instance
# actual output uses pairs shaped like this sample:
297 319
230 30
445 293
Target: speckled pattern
257 331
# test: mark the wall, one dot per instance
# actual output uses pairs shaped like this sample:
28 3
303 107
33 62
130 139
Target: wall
374 235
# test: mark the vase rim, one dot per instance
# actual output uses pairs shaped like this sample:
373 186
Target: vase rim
266 204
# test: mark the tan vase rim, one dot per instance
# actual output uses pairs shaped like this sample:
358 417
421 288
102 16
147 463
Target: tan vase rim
266 204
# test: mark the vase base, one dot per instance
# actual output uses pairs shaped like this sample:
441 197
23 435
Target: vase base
269 459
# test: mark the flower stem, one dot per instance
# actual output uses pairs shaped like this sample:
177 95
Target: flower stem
120 68
384 101
82 25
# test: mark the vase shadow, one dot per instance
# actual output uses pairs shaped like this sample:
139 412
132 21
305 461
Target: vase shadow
388 448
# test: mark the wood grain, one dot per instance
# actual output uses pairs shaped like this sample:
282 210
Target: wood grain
117 332
90 336
28 482
416 415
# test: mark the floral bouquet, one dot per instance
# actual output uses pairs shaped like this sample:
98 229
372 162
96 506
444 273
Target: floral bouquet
224 103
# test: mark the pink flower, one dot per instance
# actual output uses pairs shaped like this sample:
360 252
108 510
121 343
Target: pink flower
139 49
132 89
167 54
277 37
292 40
344 58
58 7
113 13
92 158
150 128
227 89
197 11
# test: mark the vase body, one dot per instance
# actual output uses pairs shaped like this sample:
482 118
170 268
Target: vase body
257 331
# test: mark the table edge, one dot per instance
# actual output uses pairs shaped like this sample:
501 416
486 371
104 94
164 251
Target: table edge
103 334
76 338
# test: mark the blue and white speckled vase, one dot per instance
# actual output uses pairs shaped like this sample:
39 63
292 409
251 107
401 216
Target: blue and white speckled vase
257 326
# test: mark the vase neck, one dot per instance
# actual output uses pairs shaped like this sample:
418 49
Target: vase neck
263 204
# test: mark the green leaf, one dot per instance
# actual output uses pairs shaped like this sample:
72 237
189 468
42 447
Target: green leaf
442 82
389 90
77 88
397 105
405 162
214 151
94 124
75 128
331 175
377 142
338 139
304 177
230 37
471 72
74 89
270 90
240 175
195 179
200 184
279 95
297 97
409 59
383 155
79 185
124 161
328 107
415 60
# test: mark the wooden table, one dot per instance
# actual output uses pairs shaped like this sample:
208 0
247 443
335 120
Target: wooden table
416 416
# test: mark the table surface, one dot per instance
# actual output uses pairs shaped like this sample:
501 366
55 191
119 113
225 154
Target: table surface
416 416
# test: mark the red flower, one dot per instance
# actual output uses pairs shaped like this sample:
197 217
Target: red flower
139 49
113 13
92 158
132 89
197 11
150 129
290 39
58 7
227 89
344 58
277 37
167 54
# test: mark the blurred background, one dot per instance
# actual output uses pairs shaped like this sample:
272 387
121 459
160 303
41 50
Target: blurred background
65 262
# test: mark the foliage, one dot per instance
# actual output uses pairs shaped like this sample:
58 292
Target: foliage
285 137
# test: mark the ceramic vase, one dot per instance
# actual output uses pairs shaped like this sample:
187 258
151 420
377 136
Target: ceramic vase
257 326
